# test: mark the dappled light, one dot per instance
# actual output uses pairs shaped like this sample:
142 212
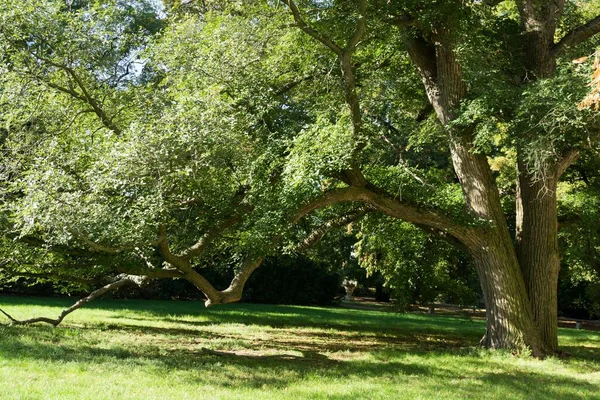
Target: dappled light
242 351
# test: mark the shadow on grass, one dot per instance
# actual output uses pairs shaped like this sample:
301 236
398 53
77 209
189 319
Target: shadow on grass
237 369
386 344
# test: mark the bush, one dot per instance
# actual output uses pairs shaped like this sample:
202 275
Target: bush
293 280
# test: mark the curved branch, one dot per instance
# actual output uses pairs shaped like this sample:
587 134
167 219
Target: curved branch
318 234
198 248
566 162
577 36
234 292
394 208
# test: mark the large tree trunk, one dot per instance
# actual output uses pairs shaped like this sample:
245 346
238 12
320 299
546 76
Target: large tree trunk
510 323
537 249
509 319
537 223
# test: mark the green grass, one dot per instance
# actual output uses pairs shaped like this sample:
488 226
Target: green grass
180 350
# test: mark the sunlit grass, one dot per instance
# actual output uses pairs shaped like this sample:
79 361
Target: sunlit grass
180 350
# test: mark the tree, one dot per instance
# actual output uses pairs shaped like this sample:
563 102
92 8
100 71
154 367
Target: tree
119 168
518 277
250 124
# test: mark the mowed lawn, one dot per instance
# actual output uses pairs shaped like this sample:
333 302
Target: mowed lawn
180 350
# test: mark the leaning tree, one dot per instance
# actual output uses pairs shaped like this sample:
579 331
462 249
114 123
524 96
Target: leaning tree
137 149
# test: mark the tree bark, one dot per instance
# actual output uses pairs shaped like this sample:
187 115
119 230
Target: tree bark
510 323
537 220
509 317
537 249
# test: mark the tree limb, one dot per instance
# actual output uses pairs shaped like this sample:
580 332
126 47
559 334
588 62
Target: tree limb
198 248
391 207
566 162
328 42
360 27
234 292
121 281
60 277
98 247
40 243
84 96
577 36
316 235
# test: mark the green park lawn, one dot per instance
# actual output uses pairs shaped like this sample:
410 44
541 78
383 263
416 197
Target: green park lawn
180 350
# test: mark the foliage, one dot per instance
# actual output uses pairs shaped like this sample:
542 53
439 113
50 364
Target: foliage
417 267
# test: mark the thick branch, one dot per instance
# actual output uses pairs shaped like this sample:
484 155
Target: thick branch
234 292
392 207
577 36
566 162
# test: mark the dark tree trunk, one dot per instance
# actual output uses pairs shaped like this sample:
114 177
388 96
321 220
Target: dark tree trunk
509 317
537 223
537 249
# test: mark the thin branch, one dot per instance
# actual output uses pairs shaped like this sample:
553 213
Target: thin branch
316 235
291 85
84 96
198 248
42 244
577 36
119 282
51 276
98 247
360 27
311 31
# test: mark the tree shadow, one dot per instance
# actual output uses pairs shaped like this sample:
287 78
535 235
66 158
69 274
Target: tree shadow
340 347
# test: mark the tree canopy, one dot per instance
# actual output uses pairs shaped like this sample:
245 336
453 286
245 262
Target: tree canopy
149 141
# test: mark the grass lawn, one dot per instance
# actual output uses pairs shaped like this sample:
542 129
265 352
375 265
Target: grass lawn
180 350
